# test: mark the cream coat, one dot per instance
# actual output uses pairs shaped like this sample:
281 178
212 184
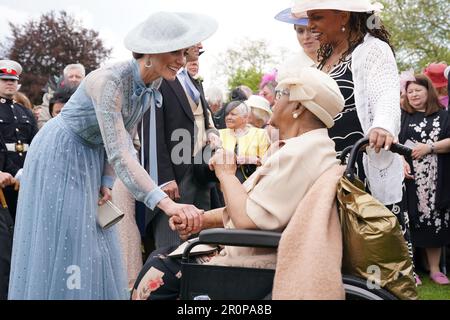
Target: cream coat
275 191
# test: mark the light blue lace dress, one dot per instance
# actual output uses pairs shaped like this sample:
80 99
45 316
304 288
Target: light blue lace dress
59 251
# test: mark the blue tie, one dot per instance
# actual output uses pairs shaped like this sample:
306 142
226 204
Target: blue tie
189 86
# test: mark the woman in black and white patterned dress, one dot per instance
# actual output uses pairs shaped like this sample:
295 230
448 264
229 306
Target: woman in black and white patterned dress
348 129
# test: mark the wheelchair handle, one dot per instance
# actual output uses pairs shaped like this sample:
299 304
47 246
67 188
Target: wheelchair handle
360 146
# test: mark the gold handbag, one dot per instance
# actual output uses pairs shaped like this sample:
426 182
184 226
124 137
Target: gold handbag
373 243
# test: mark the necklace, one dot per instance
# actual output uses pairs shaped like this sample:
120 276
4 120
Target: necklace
334 61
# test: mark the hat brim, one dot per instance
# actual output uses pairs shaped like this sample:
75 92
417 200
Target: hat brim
201 27
260 108
440 84
301 10
287 17
9 77
320 113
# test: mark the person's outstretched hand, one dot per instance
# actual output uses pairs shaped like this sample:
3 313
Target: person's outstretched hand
191 218
6 179
176 224
223 163
172 190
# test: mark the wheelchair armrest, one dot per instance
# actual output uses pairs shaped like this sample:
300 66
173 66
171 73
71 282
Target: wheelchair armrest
241 238
233 237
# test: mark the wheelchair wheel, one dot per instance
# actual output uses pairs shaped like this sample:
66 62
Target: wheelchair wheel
356 289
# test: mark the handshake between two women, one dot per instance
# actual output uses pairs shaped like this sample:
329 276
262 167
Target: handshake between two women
224 164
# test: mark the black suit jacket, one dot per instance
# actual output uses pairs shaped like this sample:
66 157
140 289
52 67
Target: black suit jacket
175 114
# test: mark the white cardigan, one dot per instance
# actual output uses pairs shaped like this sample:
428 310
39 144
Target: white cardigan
377 99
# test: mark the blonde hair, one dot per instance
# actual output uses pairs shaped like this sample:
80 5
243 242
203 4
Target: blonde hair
23 100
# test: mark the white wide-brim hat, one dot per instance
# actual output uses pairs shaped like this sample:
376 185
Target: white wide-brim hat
301 7
170 31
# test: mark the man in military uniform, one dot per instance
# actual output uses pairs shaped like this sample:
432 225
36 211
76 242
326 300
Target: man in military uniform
6 222
17 125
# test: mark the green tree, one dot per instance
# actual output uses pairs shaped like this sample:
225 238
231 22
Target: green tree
420 31
249 77
45 46
245 63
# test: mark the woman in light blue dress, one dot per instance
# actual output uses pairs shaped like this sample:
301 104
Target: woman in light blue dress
59 251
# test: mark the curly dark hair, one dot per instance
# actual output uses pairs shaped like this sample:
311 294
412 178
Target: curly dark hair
62 95
358 25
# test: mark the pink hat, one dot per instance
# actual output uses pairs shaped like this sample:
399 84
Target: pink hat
435 71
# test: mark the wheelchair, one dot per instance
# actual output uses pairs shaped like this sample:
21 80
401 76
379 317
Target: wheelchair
237 283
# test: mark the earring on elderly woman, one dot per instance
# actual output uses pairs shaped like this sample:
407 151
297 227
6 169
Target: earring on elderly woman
149 63
298 112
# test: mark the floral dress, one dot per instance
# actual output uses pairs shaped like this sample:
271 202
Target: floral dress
430 226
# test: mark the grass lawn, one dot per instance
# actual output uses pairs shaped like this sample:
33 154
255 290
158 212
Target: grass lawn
432 291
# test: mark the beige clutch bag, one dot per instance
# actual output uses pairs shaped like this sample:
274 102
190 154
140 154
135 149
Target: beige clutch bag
108 215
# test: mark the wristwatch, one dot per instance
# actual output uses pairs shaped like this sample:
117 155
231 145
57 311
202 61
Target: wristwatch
431 147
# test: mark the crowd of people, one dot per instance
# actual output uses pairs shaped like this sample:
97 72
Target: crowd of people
149 122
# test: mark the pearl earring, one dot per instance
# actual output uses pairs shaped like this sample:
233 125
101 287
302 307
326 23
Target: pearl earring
149 63
343 29
295 115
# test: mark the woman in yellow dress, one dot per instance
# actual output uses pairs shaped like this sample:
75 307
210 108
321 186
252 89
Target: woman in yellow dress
249 143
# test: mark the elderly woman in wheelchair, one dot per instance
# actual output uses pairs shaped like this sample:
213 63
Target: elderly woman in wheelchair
307 101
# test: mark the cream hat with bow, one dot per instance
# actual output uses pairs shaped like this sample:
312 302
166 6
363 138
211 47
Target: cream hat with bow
315 90
170 31
301 7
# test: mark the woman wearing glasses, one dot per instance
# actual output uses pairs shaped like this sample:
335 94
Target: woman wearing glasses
269 198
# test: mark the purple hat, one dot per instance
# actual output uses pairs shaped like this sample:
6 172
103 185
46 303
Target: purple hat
287 16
